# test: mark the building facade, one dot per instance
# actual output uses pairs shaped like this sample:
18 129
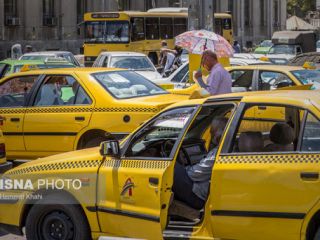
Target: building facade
56 24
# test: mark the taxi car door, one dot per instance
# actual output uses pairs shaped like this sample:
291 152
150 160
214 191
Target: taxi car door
134 192
59 110
14 94
266 178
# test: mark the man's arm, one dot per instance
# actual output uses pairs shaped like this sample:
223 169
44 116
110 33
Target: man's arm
200 171
214 81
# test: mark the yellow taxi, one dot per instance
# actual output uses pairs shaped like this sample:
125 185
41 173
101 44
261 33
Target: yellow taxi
264 183
46 112
272 77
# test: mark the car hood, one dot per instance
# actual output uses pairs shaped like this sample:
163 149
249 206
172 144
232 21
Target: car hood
149 74
90 156
161 101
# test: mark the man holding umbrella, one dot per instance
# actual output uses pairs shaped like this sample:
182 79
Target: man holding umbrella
219 80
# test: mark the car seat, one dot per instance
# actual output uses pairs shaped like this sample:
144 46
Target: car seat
250 142
282 137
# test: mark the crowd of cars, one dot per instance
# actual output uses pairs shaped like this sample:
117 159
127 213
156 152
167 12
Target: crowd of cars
120 128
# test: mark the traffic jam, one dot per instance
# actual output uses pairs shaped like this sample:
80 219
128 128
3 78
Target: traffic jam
167 134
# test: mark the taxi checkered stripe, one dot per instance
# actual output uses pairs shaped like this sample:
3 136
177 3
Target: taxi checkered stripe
12 110
151 164
72 110
56 166
58 110
267 159
115 109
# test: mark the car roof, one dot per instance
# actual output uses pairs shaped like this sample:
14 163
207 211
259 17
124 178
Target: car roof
268 67
287 97
46 53
66 71
118 53
16 62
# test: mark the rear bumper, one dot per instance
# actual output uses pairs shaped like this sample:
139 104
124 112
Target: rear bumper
5 167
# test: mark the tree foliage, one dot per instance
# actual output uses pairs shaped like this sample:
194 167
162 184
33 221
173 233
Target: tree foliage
300 7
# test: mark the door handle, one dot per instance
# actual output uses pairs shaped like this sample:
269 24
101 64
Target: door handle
79 118
309 176
15 119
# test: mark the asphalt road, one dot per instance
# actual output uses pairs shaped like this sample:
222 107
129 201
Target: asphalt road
12 237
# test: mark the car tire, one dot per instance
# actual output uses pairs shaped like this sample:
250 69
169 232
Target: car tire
47 221
94 142
317 235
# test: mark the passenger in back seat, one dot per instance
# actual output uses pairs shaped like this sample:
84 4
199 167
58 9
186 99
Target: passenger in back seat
250 142
191 184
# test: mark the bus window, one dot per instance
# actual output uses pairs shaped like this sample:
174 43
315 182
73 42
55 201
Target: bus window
218 27
166 28
137 29
227 24
107 32
179 26
152 28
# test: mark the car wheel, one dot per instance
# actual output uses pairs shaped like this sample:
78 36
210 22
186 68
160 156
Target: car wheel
54 222
94 142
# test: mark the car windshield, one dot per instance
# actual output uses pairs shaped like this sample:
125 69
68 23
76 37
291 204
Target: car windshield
132 62
127 84
282 49
107 32
35 57
308 77
266 43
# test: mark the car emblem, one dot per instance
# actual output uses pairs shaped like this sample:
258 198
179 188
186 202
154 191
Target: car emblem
127 188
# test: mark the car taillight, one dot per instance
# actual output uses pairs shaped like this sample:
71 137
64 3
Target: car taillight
2 150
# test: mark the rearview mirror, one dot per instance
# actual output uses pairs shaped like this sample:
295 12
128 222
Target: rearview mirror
110 148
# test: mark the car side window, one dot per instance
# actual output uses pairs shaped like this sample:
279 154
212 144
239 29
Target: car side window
241 80
270 80
266 128
61 90
157 139
311 135
105 62
14 92
179 77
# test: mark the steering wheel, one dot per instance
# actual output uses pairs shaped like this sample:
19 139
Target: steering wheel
166 147
7 100
270 80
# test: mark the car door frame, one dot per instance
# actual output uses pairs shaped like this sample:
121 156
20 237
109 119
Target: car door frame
160 221
36 88
276 214
254 84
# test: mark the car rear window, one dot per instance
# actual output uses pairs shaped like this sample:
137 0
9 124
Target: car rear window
127 84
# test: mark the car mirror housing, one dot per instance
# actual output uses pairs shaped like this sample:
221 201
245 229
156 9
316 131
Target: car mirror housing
110 148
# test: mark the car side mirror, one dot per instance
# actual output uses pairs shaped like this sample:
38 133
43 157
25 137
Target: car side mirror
110 148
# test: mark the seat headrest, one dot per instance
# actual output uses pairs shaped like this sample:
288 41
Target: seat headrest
281 133
250 142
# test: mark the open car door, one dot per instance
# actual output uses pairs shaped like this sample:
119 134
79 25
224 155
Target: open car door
134 190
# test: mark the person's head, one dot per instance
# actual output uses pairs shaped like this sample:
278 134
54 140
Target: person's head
235 42
164 43
28 48
209 59
178 49
218 125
